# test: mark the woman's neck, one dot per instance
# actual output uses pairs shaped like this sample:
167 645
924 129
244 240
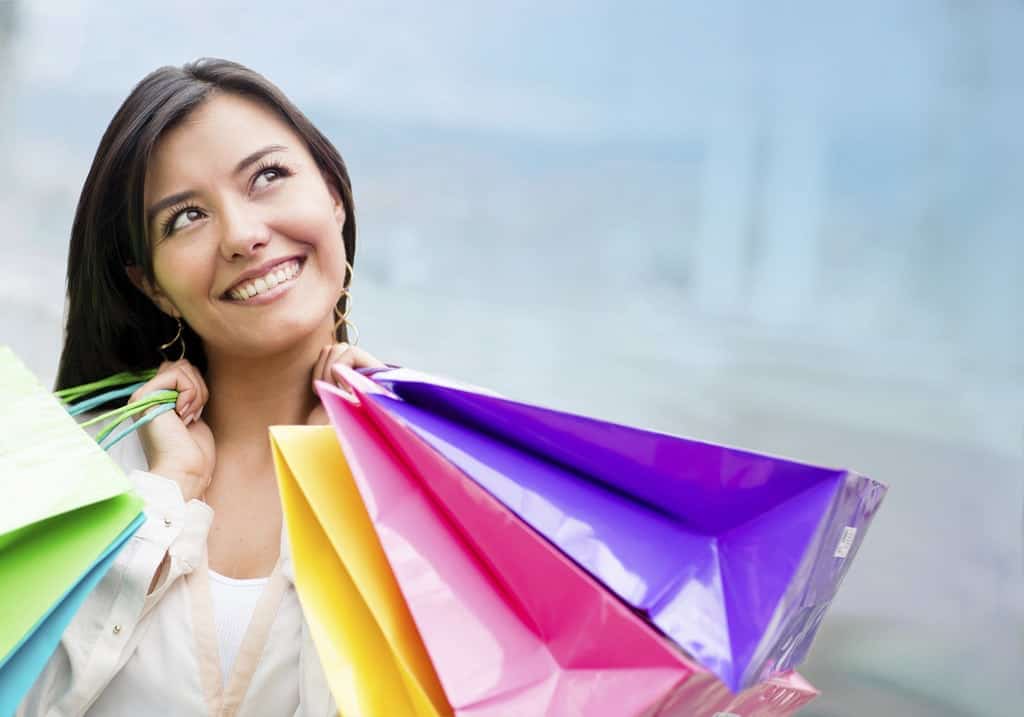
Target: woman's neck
247 396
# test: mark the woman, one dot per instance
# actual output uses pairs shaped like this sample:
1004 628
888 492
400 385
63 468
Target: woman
214 237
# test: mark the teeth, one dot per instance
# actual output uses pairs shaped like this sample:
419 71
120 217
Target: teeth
271 279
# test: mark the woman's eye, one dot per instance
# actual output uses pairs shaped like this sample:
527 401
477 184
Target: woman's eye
265 177
183 218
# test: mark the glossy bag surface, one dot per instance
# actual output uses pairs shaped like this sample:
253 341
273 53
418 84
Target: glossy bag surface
734 555
512 626
373 658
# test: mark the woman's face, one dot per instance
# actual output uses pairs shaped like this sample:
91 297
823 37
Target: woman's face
244 229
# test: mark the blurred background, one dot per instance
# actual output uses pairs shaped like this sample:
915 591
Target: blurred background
791 226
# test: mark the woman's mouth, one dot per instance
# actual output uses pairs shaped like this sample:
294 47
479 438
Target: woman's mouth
263 288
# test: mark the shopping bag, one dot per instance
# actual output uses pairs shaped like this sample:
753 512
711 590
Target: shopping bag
734 555
375 663
514 627
66 511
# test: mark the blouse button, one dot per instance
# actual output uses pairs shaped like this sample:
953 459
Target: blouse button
167 522
117 629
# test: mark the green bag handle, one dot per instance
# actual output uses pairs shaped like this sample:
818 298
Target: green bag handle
77 400
163 408
118 379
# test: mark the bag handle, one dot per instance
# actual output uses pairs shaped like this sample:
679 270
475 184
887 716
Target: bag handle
78 400
73 393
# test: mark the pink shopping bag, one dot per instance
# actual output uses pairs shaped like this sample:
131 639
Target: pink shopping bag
514 627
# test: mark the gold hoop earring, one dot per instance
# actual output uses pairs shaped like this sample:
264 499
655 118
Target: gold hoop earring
177 337
340 318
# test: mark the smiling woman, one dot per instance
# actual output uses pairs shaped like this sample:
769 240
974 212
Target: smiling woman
217 225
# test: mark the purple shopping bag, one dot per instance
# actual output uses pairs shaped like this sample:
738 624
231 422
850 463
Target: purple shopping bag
732 554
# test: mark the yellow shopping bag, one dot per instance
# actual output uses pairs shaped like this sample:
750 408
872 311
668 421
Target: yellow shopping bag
372 654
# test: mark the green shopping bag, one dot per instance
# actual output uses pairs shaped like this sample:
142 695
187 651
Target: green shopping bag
65 510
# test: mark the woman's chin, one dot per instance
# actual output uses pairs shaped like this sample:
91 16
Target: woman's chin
273 340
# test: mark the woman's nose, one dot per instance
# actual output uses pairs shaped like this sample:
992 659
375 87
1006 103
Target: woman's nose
243 233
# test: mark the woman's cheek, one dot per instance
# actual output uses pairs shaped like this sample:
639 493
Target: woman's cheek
185 278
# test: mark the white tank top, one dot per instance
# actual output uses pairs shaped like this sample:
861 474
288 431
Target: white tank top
234 602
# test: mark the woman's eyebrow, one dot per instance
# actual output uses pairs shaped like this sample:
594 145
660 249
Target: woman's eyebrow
257 155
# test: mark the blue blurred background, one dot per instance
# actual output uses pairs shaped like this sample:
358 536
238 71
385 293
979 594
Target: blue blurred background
792 226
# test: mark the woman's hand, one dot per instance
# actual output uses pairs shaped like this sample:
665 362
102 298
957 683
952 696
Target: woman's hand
331 355
178 443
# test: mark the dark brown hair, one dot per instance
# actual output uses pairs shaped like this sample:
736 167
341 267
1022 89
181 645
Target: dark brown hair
111 325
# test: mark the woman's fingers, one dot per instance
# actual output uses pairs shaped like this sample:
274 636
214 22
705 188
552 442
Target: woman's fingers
342 353
188 391
355 357
202 394
330 356
339 353
351 356
183 377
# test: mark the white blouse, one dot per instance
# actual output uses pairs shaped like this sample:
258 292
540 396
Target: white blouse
129 653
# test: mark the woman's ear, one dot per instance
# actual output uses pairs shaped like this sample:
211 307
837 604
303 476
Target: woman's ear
339 213
139 280
339 205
